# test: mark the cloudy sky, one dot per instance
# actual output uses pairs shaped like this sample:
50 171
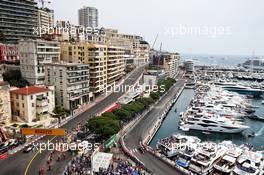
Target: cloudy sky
233 27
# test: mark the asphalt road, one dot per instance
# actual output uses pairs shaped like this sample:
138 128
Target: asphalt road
18 163
138 133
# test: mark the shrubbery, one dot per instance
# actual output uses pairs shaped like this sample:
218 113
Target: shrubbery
109 123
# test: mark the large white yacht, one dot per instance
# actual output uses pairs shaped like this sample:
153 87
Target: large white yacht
213 124
171 145
249 163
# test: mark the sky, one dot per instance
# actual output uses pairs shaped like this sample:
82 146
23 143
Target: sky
226 27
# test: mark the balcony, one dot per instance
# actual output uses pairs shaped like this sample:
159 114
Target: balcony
42 103
42 110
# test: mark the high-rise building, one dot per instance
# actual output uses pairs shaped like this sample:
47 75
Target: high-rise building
18 19
71 81
34 54
45 18
88 17
106 63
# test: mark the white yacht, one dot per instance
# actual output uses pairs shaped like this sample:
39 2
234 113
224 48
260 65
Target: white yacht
171 145
227 164
184 156
213 124
249 163
202 163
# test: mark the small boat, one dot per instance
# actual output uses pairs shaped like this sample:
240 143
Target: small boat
250 110
175 110
184 128
252 134
254 107
255 117
207 133
262 102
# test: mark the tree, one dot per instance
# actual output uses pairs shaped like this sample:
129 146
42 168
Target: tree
122 114
14 78
154 95
109 115
105 127
60 112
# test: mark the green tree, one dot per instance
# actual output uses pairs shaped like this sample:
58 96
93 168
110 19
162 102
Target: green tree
154 95
102 125
110 115
14 78
122 114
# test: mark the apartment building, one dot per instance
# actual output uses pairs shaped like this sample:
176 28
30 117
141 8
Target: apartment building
18 19
71 81
106 63
5 105
168 61
97 60
115 64
134 45
45 18
32 104
34 54
88 17
171 63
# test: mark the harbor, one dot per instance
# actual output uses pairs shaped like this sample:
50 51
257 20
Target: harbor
220 110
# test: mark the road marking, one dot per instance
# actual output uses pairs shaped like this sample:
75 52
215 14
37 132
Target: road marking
30 162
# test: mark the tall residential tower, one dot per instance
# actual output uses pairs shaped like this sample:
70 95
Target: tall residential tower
18 19
88 17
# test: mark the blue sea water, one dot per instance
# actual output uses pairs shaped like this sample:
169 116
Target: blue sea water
216 60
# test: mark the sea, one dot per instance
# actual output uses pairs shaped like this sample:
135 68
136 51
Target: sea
170 124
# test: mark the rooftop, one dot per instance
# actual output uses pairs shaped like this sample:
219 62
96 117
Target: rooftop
29 90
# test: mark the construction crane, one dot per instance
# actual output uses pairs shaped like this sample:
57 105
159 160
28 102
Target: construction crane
43 3
154 41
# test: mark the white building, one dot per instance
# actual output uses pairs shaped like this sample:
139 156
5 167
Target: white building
88 17
71 81
34 53
32 104
189 66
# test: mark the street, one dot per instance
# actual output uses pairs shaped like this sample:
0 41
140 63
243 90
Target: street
30 163
138 133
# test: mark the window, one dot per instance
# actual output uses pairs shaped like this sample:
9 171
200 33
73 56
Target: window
33 105
16 96
23 105
31 97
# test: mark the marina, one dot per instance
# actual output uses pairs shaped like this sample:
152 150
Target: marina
222 112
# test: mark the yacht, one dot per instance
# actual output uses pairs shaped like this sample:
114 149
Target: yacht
227 164
213 124
184 156
203 162
249 163
171 145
